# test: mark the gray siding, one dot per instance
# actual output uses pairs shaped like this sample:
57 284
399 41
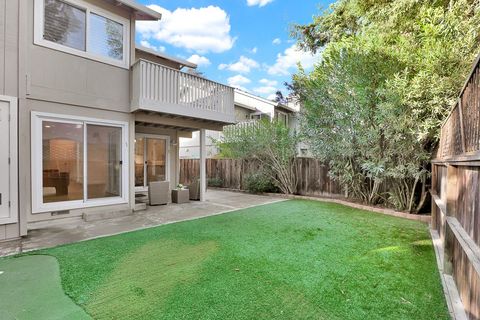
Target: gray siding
9 47
61 77
9 12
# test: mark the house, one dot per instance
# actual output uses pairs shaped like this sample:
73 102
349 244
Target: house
88 119
248 107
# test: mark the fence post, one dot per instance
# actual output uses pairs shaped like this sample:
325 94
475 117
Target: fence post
451 211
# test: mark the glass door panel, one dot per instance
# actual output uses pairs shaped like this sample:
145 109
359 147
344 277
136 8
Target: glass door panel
62 161
139 162
156 159
104 161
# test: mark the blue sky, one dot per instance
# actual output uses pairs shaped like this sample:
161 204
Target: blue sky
243 43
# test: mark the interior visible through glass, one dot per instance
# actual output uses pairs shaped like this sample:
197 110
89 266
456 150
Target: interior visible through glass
62 164
139 162
104 161
156 159
150 159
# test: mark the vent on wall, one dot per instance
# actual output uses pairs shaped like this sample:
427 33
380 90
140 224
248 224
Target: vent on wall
59 213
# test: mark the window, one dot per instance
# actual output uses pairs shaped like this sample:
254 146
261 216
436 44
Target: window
65 24
80 28
106 37
282 118
259 116
62 161
78 162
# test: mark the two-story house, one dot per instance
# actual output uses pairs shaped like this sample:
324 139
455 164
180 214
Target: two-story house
86 118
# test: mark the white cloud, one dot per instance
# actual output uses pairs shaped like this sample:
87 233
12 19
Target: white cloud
273 96
288 60
265 90
147 44
276 41
199 60
259 3
270 83
253 50
238 81
203 30
243 65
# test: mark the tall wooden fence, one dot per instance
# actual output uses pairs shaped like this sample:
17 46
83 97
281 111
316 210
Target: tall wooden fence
456 194
313 176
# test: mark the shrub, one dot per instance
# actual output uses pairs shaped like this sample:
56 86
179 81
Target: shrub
259 183
215 182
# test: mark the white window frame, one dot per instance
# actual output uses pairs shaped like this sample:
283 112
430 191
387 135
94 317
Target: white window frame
38 205
13 155
144 188
39 18
283 114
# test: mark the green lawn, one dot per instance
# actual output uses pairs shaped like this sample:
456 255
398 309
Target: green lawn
288 260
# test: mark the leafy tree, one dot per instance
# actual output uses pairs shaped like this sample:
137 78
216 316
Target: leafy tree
270 143
389 74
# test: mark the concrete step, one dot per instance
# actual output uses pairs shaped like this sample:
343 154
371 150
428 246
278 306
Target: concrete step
140 206
105 214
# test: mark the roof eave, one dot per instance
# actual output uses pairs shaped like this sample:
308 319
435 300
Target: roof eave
141 12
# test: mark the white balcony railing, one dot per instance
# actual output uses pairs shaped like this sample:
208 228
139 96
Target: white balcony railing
162 89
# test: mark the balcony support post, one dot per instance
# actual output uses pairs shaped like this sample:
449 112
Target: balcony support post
203 164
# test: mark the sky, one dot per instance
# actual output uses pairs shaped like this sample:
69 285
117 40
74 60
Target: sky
243 43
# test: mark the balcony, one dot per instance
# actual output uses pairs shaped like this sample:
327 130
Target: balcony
165 90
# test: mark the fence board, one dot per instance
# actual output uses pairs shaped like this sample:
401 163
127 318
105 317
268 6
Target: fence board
312 173
456 194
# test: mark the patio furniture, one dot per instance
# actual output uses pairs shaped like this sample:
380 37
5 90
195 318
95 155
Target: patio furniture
194 190
180 195
158 192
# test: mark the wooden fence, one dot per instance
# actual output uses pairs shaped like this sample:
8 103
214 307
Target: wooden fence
456 195
313 179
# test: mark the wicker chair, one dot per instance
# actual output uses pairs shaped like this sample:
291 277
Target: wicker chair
158 192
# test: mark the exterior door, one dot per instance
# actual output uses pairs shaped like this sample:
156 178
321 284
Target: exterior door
151 160
8 160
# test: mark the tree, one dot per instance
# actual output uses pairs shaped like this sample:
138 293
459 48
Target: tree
389 74
270 143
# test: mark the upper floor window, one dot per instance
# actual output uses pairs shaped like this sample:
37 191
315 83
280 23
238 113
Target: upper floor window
79 28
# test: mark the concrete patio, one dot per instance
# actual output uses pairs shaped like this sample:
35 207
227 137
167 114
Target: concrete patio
54 233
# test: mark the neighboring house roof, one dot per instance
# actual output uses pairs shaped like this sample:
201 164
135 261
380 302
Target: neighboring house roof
241 92
252 102
285 107
182 62
141 12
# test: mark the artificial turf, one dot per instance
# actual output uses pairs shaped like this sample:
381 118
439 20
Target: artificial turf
289 260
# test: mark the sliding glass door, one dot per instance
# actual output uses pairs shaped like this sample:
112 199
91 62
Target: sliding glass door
78 162
151 160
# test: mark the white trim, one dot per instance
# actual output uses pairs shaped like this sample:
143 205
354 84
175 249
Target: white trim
283 114
36 171
89 8
13 152
167 158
